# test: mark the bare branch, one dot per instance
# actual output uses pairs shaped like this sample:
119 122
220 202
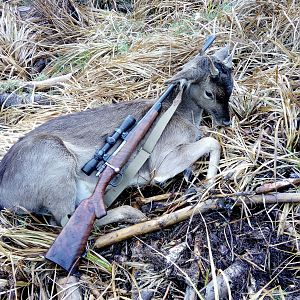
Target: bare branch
47 83
185 213
271 187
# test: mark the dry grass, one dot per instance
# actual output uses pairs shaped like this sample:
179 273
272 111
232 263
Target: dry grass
115 56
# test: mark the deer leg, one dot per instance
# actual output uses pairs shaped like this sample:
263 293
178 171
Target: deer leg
183 156
42 177
123 213
60 196
61 213
188 174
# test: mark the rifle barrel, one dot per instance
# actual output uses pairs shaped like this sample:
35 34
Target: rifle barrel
210 39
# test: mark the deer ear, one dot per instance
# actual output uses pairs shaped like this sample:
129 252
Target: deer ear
191 72
222 54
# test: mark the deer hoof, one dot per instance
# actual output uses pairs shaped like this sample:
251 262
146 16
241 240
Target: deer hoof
190 192
188 175
124 213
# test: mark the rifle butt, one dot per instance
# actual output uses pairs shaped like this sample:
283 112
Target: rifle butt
71 242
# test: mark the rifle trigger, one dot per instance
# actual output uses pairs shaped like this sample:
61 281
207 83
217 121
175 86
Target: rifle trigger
116 180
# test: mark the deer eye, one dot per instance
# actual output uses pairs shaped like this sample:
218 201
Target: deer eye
209 94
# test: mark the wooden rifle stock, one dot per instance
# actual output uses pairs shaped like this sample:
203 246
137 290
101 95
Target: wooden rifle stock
71 242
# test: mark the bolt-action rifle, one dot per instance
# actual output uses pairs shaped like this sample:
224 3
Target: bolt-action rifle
71 242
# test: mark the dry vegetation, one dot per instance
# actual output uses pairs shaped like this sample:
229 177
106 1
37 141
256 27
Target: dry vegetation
117 51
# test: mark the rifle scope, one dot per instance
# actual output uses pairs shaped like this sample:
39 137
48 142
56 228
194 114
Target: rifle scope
101 154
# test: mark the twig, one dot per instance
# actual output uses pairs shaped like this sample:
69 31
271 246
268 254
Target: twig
44 84
190 293
183 214
161 197
271 187
3 283
232 275
14 99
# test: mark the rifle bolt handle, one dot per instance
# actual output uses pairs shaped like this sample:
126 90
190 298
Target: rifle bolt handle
116 169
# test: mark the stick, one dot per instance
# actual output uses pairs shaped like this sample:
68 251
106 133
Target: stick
185 213
68 288
145 227
43 84
161 197
271 187
234 274
13 99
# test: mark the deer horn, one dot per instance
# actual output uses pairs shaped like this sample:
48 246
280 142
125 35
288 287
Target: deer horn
228 61
212 68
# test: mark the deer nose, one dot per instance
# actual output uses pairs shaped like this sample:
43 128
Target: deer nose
226 123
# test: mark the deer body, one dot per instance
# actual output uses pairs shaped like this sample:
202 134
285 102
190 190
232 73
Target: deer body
42 171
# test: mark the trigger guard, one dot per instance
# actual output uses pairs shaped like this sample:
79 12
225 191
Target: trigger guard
116 180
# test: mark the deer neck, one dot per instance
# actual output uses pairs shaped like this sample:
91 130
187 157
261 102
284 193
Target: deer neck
189 109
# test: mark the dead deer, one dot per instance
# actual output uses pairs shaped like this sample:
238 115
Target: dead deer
42 171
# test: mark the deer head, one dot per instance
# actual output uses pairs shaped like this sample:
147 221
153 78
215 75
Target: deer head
209 83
